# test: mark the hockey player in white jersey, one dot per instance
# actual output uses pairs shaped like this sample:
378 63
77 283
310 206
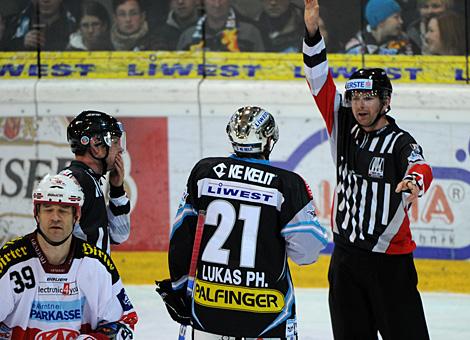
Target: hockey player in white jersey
56 286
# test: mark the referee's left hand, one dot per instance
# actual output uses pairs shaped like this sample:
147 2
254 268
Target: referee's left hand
116 176
410 187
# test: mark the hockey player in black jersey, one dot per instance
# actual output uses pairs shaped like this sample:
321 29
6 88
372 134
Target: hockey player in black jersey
380 171
98 141
257 216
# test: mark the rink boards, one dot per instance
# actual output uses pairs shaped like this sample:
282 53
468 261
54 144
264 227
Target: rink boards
433 275
171 124
222 65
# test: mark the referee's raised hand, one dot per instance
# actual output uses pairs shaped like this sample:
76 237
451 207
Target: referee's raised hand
311 16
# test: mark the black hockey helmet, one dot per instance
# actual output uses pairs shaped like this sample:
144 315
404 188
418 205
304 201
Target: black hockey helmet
89 124
369 79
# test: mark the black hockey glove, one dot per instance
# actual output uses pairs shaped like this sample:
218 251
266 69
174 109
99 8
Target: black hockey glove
116 331
176 302
110 331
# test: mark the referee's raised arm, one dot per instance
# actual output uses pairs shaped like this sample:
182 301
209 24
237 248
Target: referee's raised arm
311 16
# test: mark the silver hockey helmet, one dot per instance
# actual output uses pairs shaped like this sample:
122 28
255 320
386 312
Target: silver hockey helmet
252 130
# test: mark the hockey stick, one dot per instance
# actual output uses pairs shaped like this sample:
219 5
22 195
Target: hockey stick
193 266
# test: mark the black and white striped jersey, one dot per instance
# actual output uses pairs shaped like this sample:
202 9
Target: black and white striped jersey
367 213
257 216
100 224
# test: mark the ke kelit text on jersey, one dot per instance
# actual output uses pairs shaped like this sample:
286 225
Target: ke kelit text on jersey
246 173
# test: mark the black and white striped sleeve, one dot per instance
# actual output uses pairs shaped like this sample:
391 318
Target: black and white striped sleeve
119 215
315 61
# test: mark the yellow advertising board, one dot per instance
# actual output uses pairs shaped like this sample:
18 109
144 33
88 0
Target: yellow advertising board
221 65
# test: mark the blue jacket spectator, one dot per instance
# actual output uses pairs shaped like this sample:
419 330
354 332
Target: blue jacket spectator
383 34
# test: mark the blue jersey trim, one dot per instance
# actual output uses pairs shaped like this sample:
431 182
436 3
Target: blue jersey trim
250 160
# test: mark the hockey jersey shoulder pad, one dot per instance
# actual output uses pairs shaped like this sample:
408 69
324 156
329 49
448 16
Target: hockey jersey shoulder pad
14 252
85 249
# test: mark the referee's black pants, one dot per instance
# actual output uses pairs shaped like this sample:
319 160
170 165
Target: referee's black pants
374 292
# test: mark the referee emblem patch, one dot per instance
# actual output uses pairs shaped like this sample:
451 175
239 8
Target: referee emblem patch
376 167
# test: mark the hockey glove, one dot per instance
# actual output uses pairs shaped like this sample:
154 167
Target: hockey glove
113 331
175 302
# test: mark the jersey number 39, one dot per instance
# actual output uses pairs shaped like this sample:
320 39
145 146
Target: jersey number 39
23 280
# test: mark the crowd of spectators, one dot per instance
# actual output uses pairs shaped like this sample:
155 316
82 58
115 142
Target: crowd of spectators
409 27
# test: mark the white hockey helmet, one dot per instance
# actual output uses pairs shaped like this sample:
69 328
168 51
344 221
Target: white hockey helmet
252 130
58 189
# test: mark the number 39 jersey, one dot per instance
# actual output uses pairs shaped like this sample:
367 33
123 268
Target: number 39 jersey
43 301
256 217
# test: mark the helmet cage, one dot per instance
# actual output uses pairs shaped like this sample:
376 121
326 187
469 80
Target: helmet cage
252 130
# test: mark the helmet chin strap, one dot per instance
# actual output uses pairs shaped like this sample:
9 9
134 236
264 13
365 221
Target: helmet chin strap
104 164
48 240
53 243
268 148
379 115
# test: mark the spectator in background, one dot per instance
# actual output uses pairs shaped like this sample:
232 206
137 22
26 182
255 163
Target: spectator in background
2 30
183 14
281 26
157 12
342 18
9 7
249 9
323 29
408 11
220 29
427 8
93 32
446 34
49 32
130 31
383 34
